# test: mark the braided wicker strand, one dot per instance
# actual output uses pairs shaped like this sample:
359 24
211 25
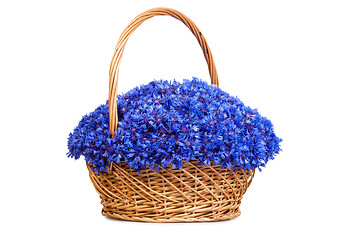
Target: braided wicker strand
193 193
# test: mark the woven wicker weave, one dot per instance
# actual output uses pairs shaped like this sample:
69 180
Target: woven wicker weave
192 194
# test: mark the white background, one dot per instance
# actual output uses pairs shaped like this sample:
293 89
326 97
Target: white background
298 62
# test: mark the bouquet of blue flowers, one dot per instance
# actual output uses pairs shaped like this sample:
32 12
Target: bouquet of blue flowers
166 123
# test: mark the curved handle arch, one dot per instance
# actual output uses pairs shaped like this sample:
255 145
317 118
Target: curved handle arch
133 25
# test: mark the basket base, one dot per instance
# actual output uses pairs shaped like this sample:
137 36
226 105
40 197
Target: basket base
171 219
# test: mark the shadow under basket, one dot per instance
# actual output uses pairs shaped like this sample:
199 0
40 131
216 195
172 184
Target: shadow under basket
192 194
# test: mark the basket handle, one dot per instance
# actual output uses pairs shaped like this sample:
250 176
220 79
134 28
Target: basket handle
134 24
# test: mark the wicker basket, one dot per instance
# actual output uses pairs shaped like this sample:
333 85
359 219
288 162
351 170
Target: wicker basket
192 194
